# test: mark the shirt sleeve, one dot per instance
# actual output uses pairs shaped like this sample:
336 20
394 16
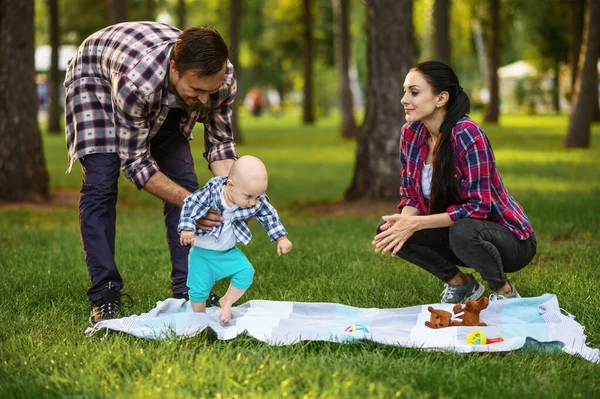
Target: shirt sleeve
408 192
476 164
132 129
218 133
195 206
268 218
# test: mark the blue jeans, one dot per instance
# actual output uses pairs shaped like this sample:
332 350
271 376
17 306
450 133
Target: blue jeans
97 206
487 247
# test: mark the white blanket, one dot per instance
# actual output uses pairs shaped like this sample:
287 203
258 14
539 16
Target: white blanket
537 323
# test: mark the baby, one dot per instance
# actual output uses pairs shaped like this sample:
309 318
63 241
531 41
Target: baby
214 256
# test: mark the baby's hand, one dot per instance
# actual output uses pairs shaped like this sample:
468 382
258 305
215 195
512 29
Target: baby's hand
187 237
283 246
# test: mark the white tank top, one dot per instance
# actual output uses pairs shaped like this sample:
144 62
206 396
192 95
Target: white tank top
426 180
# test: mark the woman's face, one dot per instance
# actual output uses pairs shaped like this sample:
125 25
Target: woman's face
419 100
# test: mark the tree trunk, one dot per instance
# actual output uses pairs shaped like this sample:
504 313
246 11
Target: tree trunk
150 10
348 126
578 134
54 75
234 23
492 111
441 16
556 89
389 55
181 15
116 11
576 33
308 101
23 174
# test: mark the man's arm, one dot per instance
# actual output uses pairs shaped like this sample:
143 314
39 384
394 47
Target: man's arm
166 189
222 167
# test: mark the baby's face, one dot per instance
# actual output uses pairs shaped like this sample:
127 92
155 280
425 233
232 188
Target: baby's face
246 194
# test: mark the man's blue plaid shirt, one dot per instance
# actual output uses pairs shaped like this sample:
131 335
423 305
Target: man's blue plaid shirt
196 206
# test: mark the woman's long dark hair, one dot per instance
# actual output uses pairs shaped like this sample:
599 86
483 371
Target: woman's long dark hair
444 190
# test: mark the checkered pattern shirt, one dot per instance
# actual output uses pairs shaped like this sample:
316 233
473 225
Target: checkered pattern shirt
117 100
482 193
196 206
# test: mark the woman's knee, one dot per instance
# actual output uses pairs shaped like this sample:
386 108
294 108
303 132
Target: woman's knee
378 229
462 232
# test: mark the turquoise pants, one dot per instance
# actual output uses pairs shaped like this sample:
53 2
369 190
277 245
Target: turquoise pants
207 266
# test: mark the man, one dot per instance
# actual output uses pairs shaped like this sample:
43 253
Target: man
134 92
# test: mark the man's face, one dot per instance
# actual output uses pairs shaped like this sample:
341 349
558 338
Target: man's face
194 91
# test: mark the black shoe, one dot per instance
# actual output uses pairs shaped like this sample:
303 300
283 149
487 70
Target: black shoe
213 299
109 307
183 295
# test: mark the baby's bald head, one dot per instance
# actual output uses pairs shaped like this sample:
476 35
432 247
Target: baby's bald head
248 179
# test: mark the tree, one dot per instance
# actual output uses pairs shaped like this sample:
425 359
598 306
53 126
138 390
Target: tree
441 16
181 14
578 133
389 55
54 81
576 33
492 110
308 115
234 22
23 174
149 10
116 11
348 126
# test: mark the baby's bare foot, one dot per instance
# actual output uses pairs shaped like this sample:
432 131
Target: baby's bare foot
225 314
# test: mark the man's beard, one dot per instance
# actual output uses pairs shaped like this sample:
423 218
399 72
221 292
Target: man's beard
189 108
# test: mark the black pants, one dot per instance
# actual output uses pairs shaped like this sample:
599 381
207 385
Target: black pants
489 248
97 206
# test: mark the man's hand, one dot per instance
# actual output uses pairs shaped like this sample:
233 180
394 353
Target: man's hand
283 245
187 237
213 218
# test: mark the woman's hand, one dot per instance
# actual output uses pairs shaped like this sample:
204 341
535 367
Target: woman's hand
397 229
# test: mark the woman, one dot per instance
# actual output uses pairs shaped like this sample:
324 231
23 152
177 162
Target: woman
455 209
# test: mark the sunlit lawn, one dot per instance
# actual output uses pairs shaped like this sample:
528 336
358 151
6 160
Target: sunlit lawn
43 312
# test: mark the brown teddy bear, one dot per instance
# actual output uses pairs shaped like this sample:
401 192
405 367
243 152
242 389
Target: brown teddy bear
464 315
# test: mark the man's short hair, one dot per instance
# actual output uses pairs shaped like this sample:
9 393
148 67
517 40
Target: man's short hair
201 49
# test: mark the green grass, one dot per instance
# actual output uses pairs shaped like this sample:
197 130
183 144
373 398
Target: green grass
43 312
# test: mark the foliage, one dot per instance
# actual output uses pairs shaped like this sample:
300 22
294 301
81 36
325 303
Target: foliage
44 353
543 31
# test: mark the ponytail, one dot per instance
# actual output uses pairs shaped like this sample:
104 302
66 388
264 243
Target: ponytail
444 189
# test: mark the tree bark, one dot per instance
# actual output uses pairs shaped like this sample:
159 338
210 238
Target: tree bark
23 174
441 17
348 126
181 15
578 133
576 33
116 11
492 111
234 23
389 55
54 74
308 102
150 10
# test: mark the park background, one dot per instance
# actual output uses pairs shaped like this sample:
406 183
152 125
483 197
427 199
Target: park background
329 74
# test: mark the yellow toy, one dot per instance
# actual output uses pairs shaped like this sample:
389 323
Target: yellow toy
478 337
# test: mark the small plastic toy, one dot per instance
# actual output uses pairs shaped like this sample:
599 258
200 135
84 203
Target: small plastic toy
477 337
